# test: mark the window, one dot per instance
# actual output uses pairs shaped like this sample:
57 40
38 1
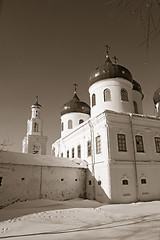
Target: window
0 181
61 154
62 126
89 148
124 95
93 100
124 182
99 182
67 153
143 180
121 142
70 124
81 121
35 127
157 144
72 152
135 107
22 178
139 143
79 151
98 144
90 182
107 95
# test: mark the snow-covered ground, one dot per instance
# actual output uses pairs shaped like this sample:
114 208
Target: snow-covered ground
80 220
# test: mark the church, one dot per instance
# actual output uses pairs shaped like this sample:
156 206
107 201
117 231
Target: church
120 144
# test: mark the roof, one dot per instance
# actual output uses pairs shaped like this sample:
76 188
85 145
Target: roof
75 105
109 70
38 160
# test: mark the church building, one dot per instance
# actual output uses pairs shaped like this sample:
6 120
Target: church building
120 144
34 142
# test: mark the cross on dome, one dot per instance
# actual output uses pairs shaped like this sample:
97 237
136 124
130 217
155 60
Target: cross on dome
107 50
115 59
75 88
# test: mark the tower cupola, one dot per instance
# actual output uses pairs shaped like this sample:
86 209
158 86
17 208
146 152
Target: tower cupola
73 113
110 87
156 100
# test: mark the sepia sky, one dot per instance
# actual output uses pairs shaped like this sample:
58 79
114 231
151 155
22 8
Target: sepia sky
48 45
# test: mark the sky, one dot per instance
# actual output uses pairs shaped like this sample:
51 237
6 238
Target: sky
48 45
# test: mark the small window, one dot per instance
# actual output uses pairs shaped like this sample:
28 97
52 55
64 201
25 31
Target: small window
90 182
124 95
135 107
79 151
22 178
89 148
93 100
35 127
67 153
139 143
99 182
75 180
62 126
70 124
107 95
143 180
157 144
81 121
121 142
72 152
62 179
124 182
62 155
98 144
1 181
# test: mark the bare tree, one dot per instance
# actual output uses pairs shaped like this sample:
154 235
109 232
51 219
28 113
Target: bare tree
148 12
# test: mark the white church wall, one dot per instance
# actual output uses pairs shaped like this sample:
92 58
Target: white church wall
137 97
116 104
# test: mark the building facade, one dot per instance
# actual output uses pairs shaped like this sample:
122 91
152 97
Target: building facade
120 144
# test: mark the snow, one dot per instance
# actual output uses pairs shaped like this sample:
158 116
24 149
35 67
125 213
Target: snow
39 160
80 219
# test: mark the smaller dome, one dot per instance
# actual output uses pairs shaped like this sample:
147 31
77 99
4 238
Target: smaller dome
156 96
75 105
109 70
36 104
137 87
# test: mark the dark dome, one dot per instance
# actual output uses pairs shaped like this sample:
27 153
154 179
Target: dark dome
156 97
75 105
137 87
110 70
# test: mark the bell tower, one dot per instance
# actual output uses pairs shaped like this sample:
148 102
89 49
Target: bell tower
34 141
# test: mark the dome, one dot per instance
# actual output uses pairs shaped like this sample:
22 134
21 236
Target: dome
110 70
75 105
156 96
36 104
137 87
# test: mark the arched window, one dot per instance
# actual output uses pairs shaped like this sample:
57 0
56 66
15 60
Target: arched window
124 95
62 126
124 182
107 95
70 124
81 121
135 107
35 127
93 100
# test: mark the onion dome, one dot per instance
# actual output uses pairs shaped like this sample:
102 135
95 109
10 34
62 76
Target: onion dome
137 87
110 70
156 96
75 105
36 104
